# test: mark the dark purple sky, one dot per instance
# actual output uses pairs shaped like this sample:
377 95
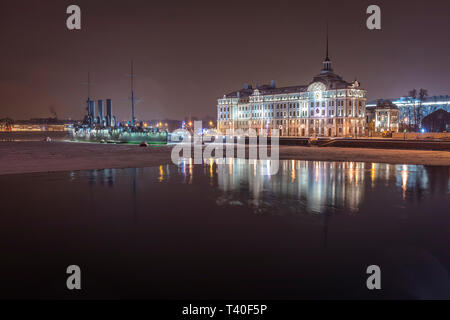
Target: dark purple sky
189 53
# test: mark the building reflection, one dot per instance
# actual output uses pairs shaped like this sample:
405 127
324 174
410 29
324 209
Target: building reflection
316 185
311 186
298 186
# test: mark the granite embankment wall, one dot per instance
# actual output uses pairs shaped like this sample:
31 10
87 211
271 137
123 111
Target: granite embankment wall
419 136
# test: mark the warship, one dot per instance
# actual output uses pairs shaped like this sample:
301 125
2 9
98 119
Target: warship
103 127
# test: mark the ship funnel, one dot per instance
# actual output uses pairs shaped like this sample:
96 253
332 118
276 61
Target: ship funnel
109 111
101 109
92 110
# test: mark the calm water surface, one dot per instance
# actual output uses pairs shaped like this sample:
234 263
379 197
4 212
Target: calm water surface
228 231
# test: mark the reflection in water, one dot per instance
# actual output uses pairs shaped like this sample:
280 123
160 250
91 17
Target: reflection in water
298 186
312 186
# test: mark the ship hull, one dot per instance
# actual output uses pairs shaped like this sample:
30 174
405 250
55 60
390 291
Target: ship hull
117 136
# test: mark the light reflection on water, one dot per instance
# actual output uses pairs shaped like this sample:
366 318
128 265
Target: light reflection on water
316 186
299 186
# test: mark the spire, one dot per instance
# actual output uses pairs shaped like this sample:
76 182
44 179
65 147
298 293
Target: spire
327 61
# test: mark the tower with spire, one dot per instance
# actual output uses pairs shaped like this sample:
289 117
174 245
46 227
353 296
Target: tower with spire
327 61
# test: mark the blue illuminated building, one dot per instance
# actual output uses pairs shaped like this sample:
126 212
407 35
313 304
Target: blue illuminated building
406 105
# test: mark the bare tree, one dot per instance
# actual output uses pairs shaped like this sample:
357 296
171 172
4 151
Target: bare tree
412 96
423 93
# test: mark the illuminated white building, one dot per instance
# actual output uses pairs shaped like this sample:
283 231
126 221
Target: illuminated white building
386 119
328 106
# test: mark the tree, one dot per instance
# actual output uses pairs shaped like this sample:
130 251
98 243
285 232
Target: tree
387 104
412 96
423 93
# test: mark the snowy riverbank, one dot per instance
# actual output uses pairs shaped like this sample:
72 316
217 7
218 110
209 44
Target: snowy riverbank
40 156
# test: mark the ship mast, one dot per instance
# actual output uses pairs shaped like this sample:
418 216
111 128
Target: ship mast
132 95
89 85
89 92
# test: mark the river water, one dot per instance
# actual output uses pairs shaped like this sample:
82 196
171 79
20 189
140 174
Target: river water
229 231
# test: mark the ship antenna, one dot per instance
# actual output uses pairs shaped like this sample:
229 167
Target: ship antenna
327 58
132 95
89 84
133 99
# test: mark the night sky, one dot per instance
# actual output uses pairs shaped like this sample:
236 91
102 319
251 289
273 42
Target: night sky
189 53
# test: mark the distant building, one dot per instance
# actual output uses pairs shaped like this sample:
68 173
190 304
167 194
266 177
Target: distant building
438 121
36 124
165 124
386 117
37 127
327 106
406 106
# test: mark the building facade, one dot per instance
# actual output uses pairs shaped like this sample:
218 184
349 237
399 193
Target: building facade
383 118
328 106
386 120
